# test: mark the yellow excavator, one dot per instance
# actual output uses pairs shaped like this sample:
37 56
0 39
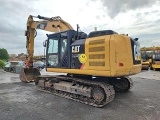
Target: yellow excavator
150 57
96 64
146 55
155 61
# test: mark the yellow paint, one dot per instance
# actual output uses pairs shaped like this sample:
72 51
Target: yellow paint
156 65
80 71
94 47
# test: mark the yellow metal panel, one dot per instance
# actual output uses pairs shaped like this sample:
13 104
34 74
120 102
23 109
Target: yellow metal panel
97 51
155 66
79 71
121 56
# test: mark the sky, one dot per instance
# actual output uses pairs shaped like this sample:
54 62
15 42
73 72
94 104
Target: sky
137 18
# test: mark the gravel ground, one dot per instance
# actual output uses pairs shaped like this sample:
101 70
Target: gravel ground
21 101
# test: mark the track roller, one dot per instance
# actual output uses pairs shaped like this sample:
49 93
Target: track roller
98 94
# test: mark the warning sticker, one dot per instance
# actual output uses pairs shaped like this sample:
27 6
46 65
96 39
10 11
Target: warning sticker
82 58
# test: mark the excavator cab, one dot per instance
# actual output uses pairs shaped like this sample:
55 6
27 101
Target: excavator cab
59 49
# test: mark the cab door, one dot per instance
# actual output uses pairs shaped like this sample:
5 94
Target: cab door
53 51
57 53
64 48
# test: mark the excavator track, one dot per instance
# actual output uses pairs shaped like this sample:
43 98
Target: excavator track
122 84
97 94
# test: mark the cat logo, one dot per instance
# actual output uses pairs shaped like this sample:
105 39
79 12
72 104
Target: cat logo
75 49
42 26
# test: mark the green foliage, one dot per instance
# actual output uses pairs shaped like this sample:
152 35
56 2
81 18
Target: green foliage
4 54
2 64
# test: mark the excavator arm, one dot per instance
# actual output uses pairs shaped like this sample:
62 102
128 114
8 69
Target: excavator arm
53 24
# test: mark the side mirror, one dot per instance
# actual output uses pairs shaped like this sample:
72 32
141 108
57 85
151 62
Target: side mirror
45 43
25 32
136 39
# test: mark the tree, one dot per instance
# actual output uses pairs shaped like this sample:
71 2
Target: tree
4 54
2 64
